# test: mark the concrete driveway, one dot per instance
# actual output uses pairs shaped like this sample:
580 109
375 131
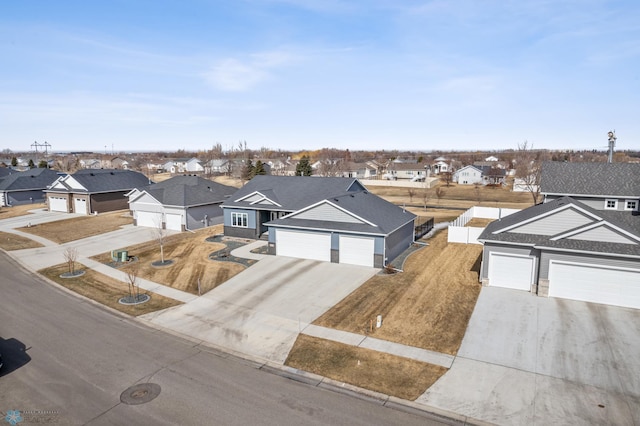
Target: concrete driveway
532 360
260 311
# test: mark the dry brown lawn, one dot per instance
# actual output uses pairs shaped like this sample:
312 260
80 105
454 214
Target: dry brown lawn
377 371
189 253
461 196
7 212
427 306
106 290
77 228
9 242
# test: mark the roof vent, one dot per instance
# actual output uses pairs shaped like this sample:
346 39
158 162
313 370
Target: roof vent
352 196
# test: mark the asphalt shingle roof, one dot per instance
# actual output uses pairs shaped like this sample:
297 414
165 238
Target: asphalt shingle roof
189 191
294 192
28 180
387 216
623 220
596 179
109 180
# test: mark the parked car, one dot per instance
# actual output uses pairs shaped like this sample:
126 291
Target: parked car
418 178
389 176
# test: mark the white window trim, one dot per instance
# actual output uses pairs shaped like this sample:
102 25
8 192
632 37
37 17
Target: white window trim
626 204
615 204
239 220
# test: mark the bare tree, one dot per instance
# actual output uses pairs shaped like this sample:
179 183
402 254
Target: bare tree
478 192
411 192
132 279
446 177
70 258
426 194
160 233
528 169
439 193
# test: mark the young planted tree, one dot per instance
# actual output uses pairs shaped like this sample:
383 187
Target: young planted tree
411 192
529 168
160 234
132 279
439 193
70 257
426 194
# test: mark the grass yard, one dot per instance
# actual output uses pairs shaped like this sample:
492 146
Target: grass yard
189 252
7 212
77 228
427 306
377 371
9 242
106 290
461 196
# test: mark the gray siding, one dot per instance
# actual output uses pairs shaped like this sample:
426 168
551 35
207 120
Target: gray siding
250 232
554 224
203 216
398 241
590 259
596 203
495 248
603 234
18 198
327 212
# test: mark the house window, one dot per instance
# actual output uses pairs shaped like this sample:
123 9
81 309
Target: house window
631 205
240 220
610 204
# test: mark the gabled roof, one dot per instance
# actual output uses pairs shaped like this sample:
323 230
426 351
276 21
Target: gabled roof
291 193
28 180
104 180
360 212
590 179
187 191
624 226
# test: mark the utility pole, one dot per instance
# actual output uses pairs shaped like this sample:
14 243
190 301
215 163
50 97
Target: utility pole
612 144
44 145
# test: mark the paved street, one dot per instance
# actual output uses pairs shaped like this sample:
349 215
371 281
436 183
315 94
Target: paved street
80 357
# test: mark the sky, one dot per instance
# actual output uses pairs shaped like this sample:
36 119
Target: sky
163 75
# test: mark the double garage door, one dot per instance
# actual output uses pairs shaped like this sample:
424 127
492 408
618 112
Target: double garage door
154 220
58 204
595 283
317 246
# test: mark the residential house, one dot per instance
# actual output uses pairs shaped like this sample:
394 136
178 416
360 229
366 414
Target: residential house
180 203
406 171
359 170
217 166
322 218
581 243
18 188
90 191
183 165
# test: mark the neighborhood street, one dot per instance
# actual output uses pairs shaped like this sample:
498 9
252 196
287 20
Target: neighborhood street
68 360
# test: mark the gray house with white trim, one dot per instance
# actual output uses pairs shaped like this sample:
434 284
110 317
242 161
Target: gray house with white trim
581 243
181 203
323 218
18 188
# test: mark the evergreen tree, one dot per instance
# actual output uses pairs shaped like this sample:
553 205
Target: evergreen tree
43 164
248 171
259 169
303 168
14 161
31 164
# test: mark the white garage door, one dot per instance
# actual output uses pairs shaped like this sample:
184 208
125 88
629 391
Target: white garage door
148 219
304 245
80 206
511 271
595 283
356 250
58 204
173 222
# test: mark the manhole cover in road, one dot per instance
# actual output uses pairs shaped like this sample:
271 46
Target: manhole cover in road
140 394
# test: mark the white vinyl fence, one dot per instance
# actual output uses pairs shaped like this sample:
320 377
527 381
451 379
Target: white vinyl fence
459 233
